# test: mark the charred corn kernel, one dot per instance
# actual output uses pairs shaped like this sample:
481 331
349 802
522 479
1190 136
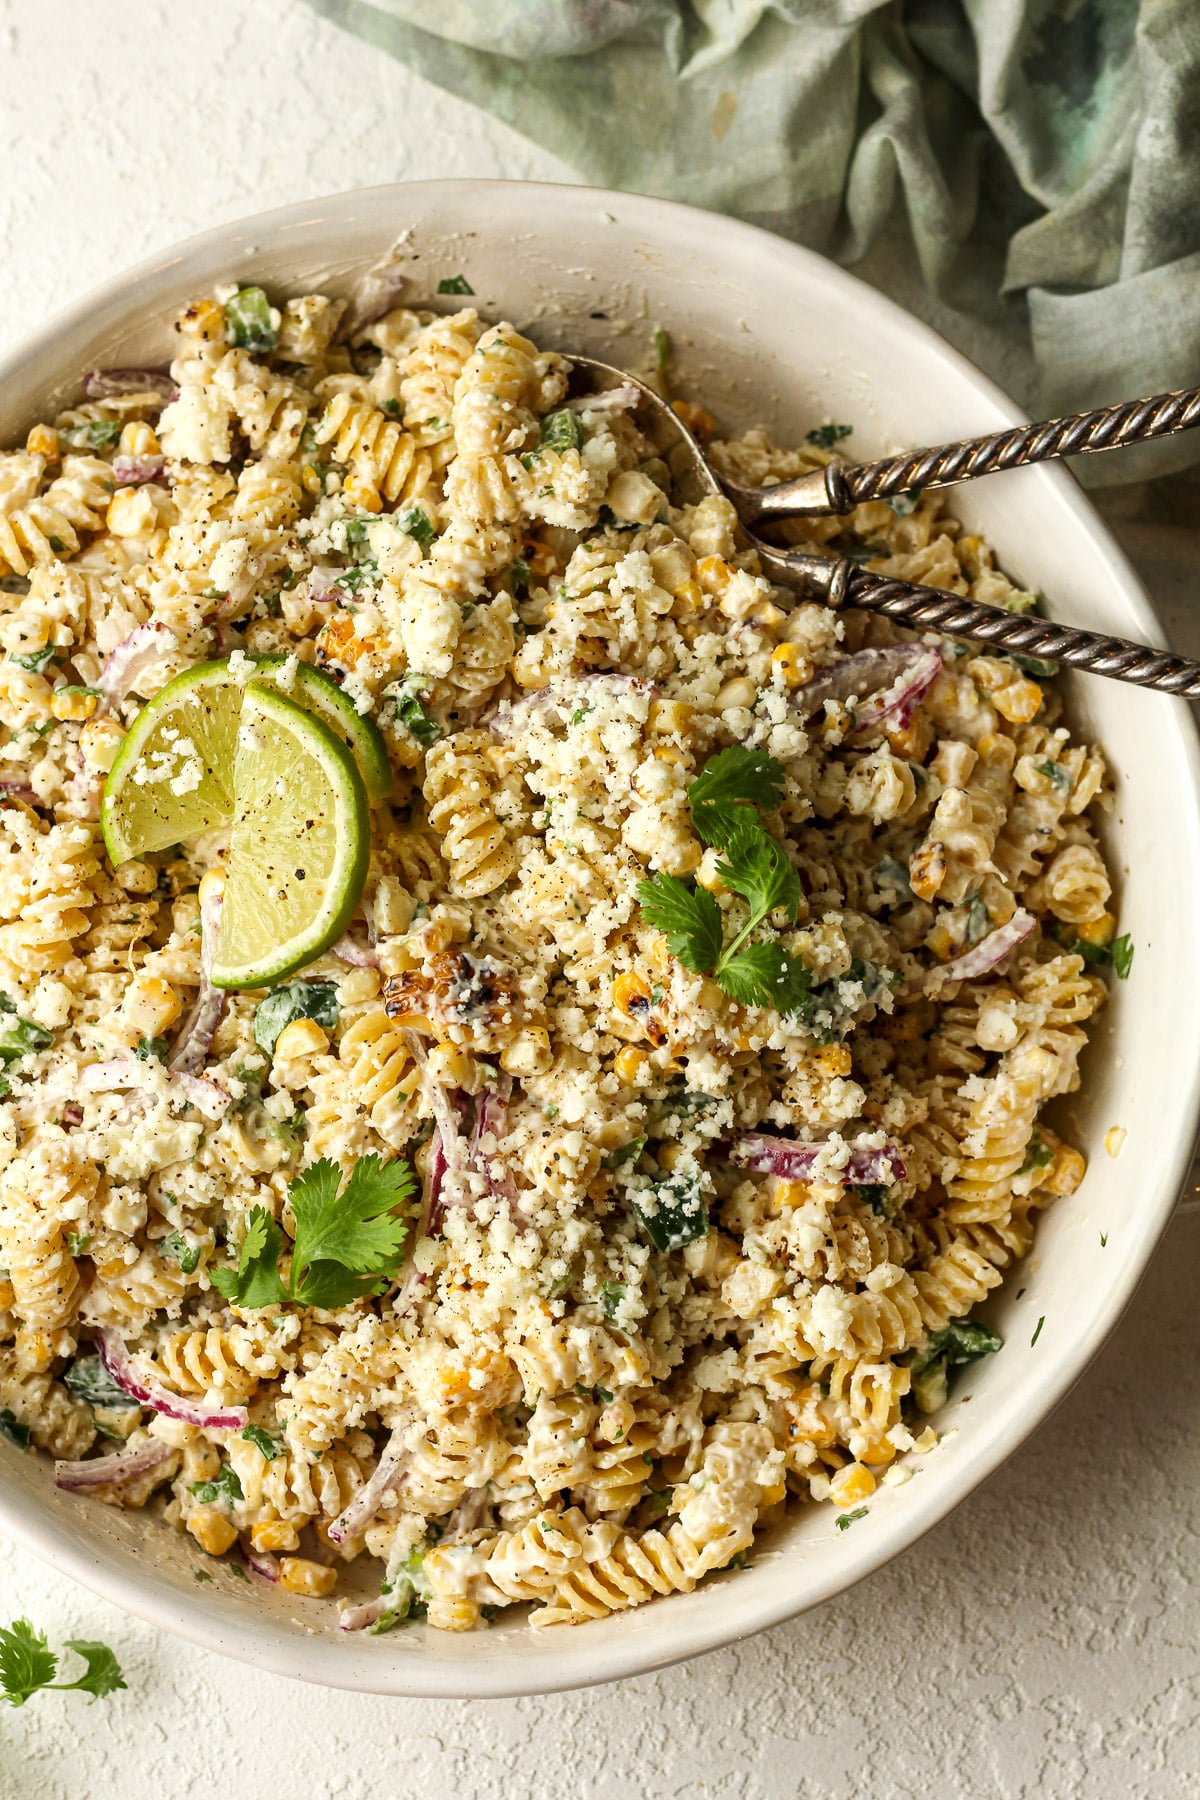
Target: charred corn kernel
529 1053
670 716
362 495
834 1059
150 1006
699 422
629 1064
73 703
139 439
131 512
303 1037
914 740
454 1068
941 942
791 1193
630 994
311 480
275 1534
212 886
792 663
1065 1172
43 441
204 319
851 1485
927 869
1019 702
736 693
1098 930
877 1450
299 1576
689 597
212 1530
539 556
714 574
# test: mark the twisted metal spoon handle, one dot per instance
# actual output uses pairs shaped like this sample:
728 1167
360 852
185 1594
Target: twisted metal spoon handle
842 583
839 487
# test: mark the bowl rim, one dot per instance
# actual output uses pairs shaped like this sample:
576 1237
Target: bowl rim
546 1669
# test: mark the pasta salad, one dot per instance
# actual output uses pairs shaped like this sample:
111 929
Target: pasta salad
654 1085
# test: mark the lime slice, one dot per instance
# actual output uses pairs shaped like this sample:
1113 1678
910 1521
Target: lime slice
321 694
173 776
298 846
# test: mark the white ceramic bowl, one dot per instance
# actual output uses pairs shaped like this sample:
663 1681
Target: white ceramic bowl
765 333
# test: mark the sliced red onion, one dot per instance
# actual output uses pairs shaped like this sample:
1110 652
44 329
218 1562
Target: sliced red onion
897 703
196 1034
259 1562
141 1385
13 790
111 1471
72 1113
769 1155
136 471
446 1148
84 789
110 384
622 398
885 672
322 585
106 1077
145 645
374 294
985 955
370 1497
357 1618
208 1097
359 956
491 1119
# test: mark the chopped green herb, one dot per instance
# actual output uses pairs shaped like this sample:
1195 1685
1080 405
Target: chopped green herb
94 434
405 696
416 524
961 1341
1038 1155
612 1294
248 320
57 545
28 1666
824 437
552 1112
37 660
317 1000
845 1520
1104 1240
271 1447
873 1194
89 1380
152 1050
186 1254
662 349
1037 1331
79 1242
201 1575
454 284
225 1487
560 431
391 408
673 1212
580 714
13 1430
891 881
521 573
627 1153
1037 666
347 1246
978 921
903 504
353 579
1121 957
19 1037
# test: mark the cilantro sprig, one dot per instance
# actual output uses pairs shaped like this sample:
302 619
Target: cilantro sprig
28 1665
726 800
347 1244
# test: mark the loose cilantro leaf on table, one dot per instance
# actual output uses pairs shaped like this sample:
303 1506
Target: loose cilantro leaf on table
28 1665
347 1244
294 1000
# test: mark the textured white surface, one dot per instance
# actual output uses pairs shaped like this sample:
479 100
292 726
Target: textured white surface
1047 1640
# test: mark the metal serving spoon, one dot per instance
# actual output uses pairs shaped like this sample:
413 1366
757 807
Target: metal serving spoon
838 581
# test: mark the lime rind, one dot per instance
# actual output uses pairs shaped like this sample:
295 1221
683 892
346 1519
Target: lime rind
318 691
285 836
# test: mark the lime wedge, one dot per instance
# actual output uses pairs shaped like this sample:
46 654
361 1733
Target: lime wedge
298 846
173 776
321 694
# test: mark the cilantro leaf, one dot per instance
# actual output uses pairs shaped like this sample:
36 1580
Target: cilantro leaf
12 1428
687 915
731 776
93 434
826 436
405 696
263 1441
27 1662
225 1486
416 524
90 1381
255 1281
454 284
765 975
1121 957
20 1037
673 1212
757 868
38 661
152 1049
293 1000
844 1521
102 1675
177 1247
357 1228
560 431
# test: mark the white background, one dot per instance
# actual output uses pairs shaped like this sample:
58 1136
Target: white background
1043 1642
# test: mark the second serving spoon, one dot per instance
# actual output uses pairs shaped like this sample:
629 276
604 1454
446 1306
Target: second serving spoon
839 581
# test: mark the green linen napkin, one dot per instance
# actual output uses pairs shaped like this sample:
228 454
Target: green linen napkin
1023 173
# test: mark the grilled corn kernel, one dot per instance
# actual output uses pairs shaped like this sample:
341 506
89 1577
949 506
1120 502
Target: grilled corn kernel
299 1576
912 741
275 1534
669 754
131 512
791 1193
629 1064
1065 1172
740 692
43 441
529 1053
454 1068
851 1485
670 1156
204 319
792 663
1098 930
1019 702
689 598
303 1037
670 716
877 1450
212 886
630 994
138 439
35 1350
714 574
212 1530
699 422
927 869
362 495
150 1006
834 1059
73 703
